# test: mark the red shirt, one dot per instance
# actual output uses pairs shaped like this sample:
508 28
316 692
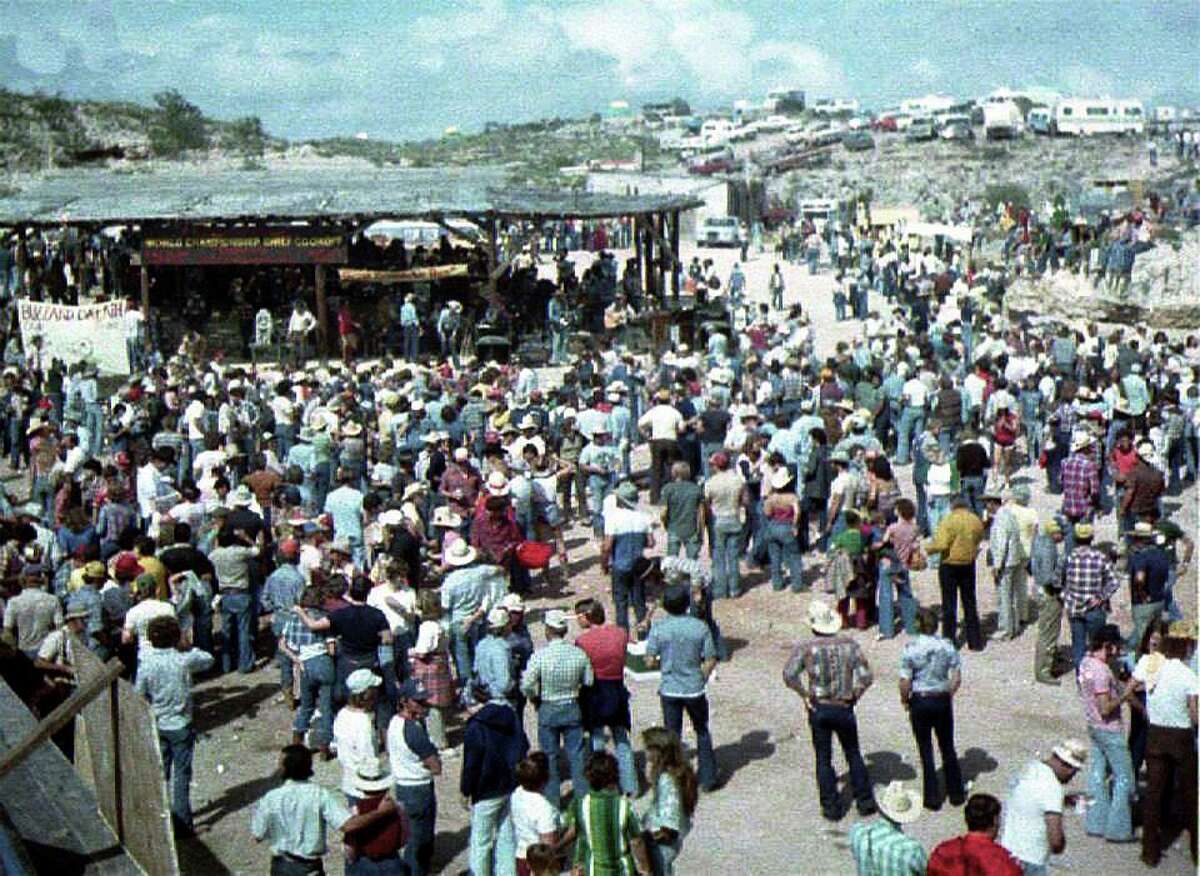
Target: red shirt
1124 460
383 839
605 647
973 854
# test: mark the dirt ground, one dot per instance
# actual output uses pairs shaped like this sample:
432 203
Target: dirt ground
766 818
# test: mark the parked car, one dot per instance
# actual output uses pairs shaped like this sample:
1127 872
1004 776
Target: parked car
885 123
858 141
858 123
709 166
960 131
920 131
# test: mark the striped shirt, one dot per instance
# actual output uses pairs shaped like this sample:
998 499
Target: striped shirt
605 826
880 849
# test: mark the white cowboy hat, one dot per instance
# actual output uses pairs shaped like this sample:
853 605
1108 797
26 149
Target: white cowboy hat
1080 440
898 803
1145 451
781 478
443 516
460 553
528 422
823 619
241 497
391 517
497 484
351 429
1072 752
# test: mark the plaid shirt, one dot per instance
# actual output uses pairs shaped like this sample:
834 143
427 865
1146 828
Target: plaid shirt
1080 482
556 673
881 849
1088 580
828 668
300 639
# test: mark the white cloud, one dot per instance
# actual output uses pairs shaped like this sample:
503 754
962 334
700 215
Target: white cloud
925 69
1082 80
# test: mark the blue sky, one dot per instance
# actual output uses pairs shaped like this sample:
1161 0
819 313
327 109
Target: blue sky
408 68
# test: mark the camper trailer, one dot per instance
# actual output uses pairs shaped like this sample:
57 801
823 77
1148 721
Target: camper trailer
1085 118
1001 119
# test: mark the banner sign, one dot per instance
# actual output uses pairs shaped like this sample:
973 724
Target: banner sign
91 332
413 275
286 245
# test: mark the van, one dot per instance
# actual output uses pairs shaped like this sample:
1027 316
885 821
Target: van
718 231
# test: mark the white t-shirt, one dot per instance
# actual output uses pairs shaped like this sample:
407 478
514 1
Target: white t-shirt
532 815
354 735
138 618
626 521
664 422
1166 704
194 415
1035 792
915 392
407 597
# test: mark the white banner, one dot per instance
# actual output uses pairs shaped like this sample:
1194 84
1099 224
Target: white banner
91 332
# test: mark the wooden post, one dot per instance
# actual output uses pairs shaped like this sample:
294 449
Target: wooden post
650 285
663 256
145 277
636 228
114 705
322 312
19 291
678 257
493 256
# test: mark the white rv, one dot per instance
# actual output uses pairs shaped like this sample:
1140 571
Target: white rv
716 131
929 105
1001 119
1083 117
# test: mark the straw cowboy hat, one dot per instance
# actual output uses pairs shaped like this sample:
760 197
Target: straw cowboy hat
460 553
351 429
528 422
497 484
1080 440
898 803
823 619
1072 752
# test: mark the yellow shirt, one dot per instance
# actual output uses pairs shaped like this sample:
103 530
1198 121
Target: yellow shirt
153 566
957 538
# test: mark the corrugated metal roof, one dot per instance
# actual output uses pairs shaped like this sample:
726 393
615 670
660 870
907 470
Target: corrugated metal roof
108 196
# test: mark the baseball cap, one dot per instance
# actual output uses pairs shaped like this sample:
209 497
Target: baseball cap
412 690
289 547
361 680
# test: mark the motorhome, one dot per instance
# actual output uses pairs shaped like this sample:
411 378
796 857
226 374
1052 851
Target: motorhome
784 100
1001 119
828 106
715 131
1084 118
929 105
821 212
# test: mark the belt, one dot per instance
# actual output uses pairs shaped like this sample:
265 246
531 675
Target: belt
935 693
298 859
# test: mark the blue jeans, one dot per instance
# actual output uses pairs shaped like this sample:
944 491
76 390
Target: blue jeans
784 549
939 507
826 721
628 589
624 753
412 342
912 422
1110 814
384 867
462 652
1083 627
420 804
317 677
235 616
697 712
972 487
177 747
726 573
890 573
493 844
560 727
558 346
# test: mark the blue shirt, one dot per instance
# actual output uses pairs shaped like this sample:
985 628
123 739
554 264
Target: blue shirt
345 506
408 314
1155 562
493 667
681 643
928 661
281 590
164 677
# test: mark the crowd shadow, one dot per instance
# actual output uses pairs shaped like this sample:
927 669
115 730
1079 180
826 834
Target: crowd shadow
733 756
885 767
235 799
733 644
196 859
976 762
447 845
216 705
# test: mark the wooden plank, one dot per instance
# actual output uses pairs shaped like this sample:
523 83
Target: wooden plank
412 275
50 808
60 717
126 771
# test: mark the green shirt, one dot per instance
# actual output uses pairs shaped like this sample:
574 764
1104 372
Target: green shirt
682 500
850 540
605 826
881 849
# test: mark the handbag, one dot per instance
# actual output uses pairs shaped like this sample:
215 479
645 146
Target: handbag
917 561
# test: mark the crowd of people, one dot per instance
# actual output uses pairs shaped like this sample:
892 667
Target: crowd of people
387 521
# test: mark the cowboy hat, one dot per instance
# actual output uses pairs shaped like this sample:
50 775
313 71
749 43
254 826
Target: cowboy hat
528 422
1080 440
460 553
341 546
1143 529
898 803
351 429
361 680
497 618
391 517
627 494
1145 451
780 478
556 619
497 484
823 619
241 497
513 602
1072 752
443 516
